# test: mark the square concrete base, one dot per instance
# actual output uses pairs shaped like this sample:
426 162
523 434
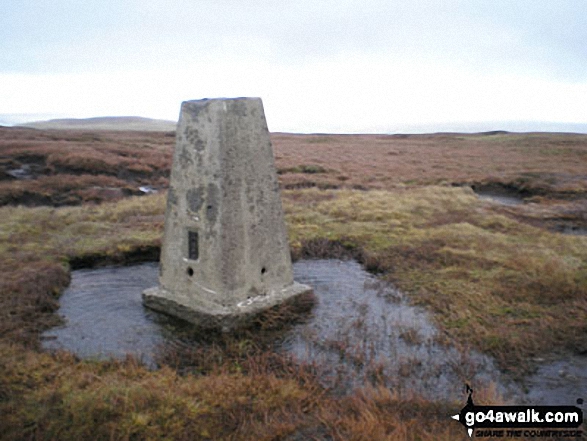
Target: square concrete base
210 315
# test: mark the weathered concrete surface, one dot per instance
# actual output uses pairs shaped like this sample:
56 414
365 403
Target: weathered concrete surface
225 254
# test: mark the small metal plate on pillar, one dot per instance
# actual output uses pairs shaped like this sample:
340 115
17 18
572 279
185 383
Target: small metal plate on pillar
225 255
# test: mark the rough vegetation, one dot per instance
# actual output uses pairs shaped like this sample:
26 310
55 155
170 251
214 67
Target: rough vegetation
551 165
512 290
53 167
494 277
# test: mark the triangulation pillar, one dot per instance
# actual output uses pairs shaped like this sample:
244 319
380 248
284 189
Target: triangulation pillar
225 254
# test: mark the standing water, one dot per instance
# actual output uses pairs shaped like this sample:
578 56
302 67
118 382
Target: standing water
500 196
360 329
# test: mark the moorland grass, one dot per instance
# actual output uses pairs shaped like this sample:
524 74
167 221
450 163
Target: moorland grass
71 167
550 164
58 397
504 287
491 282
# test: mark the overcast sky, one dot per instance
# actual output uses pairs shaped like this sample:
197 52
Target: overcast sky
320 66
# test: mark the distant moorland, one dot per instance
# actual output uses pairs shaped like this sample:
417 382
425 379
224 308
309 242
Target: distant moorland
105 123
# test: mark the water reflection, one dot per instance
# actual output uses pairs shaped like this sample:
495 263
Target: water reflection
361 327
503 197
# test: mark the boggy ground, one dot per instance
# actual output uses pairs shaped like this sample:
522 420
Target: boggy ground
551 164
509 288
71 167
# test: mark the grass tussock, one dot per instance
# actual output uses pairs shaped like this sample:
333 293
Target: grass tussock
70 167
509 289
520 161
65 399
126 160
505 287
38 245
58 397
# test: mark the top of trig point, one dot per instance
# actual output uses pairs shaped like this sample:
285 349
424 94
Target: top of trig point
225 253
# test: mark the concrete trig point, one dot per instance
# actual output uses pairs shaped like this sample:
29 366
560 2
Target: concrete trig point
225 255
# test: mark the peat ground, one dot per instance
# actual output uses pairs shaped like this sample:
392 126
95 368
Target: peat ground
495 277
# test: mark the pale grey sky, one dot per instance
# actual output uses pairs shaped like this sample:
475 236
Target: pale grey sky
320 66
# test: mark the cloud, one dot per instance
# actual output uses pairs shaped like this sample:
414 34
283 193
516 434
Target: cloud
67 36
361 94
344 65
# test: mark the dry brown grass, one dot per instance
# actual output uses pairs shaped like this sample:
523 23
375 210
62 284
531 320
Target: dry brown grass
501 285
524 161
509 289
38 245
520 161
72 167
47 397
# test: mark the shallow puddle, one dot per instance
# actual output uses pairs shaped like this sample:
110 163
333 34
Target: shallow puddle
361 329
510 198
105 316
560 382
503 197
568 228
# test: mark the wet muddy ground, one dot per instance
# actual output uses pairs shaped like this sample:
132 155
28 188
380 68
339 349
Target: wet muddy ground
564 221
360 328
501 197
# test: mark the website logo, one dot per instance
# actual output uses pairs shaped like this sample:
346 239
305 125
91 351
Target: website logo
518 421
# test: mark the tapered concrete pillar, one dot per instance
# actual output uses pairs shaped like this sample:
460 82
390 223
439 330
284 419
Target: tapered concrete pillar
225 254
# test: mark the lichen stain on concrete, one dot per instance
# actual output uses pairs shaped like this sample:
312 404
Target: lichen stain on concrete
195 199
194 139
194 112
239 108
212 203
185 158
